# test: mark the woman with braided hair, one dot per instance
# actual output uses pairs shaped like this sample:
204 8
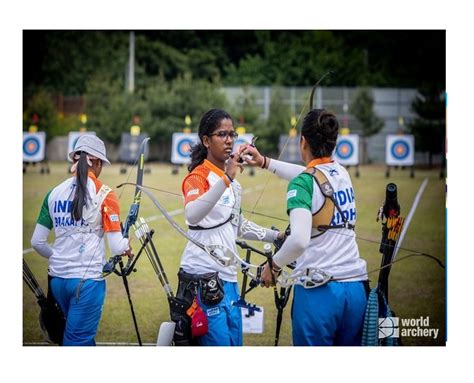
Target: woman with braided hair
212 198
80 210
322 210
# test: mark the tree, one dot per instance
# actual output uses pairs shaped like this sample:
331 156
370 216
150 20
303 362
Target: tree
161 106
429 128
41 104
363 109
278 122
63 61
245 109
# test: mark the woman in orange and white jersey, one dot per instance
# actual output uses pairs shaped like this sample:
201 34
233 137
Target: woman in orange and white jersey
80 210
212 211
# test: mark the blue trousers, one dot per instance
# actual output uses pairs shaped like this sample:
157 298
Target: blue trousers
330 315
82 311
224 320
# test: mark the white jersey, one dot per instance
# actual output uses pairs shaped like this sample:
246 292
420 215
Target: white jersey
79 249
194 260
335 251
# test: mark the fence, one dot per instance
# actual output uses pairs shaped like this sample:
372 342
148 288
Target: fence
392 105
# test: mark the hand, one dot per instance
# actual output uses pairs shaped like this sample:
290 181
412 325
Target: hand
128 252
280 239
251 155
267 279
232 164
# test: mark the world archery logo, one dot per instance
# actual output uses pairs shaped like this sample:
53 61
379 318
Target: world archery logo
389 327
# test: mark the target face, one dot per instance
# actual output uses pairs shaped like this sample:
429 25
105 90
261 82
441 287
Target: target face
72 141
347 150
400 150
184 147
33 146
344 149
181 147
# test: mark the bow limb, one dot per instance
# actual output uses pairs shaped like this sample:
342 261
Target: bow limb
132 216
135 206
221 254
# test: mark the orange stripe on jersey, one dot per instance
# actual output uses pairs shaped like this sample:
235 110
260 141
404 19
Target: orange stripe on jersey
110 208
195 184
111 213
98 184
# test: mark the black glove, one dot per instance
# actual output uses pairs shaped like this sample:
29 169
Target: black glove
278 243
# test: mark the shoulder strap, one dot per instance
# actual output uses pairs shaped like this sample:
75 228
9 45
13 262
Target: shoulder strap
322 181
213 227
322 219
102 194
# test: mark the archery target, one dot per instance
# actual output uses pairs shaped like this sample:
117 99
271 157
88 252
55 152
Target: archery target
243 139
130 147
400 150
181 147
34 146
347 150
72 139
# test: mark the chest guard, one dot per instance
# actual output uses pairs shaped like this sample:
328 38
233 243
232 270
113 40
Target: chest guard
92 213
234 217
323 217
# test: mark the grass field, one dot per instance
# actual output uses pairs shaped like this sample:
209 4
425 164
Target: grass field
417 286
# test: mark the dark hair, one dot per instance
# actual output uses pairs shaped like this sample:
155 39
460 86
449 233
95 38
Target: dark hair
210 121
320 129
80 197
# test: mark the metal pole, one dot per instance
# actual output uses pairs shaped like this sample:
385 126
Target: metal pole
131 63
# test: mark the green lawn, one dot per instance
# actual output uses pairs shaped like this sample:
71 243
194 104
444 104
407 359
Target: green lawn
417 285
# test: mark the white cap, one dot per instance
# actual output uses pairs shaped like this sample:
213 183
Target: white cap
92 145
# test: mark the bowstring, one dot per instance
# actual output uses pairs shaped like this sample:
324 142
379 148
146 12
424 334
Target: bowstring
309 102
267 181
337 232
133 166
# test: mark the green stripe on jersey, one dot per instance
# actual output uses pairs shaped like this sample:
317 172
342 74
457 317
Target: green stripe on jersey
300 192
44 218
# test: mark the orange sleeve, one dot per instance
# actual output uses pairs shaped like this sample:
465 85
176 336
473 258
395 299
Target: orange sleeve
194 185
111 213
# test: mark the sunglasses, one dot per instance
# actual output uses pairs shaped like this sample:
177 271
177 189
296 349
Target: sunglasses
223 135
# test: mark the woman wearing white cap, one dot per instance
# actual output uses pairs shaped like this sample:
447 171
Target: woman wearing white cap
80 209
